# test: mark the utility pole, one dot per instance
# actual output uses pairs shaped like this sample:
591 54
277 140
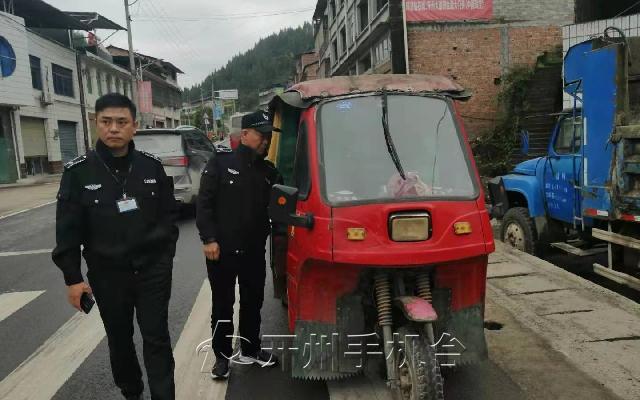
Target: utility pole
407 70
132 62
213 101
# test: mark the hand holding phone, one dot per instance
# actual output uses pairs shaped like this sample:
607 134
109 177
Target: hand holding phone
86 302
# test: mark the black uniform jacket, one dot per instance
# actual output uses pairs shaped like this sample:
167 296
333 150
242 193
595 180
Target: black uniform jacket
88 216
233 200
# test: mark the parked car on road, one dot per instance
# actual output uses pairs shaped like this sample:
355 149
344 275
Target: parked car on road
184 152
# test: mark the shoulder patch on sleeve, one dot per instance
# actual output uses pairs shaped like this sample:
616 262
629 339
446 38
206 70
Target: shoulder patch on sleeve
75 161
150 156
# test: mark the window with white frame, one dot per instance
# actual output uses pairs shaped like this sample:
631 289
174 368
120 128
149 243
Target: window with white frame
99 82
382 51
87 74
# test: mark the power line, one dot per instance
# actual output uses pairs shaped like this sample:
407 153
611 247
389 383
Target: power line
164 31
148 18
628 9
177 33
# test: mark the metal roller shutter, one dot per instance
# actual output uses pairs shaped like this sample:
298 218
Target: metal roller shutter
68 141
33 137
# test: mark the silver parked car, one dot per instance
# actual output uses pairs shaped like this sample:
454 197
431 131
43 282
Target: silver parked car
184 152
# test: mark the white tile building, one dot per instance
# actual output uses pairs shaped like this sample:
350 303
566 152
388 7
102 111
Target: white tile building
44 97
100 76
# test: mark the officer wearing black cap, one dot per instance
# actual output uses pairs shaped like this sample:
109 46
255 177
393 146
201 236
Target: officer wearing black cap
234 224
117 204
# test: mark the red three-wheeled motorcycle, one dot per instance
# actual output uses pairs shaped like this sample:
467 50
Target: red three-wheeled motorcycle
381 235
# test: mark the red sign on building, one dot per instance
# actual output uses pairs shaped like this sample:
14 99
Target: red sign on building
448 10
145 101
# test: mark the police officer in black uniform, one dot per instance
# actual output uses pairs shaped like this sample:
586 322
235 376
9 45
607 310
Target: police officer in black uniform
117 203
234 224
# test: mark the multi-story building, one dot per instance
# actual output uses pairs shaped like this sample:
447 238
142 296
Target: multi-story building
306 67
52 70
100 76
474 42
355 37
42 124
166 95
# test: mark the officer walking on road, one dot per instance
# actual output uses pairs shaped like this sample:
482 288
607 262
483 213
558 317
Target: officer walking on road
117 203
234 224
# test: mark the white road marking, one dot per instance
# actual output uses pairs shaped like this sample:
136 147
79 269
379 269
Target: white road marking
12 302
25 253
41 375
28 209
192 381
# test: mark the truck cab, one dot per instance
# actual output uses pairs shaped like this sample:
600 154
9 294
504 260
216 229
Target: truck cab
541 189
587 187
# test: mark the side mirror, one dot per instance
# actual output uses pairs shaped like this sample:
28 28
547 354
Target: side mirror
282 207
524 142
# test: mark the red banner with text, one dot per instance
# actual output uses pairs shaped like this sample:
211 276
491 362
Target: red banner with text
145 99
448 10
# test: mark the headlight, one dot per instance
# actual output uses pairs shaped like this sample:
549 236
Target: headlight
409 227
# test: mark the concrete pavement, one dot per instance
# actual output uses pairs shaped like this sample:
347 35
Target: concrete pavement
551 335
27 194
594 329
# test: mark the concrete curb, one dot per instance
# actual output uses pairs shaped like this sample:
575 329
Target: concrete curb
593 327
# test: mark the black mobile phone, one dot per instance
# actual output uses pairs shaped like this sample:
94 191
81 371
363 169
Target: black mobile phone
86 302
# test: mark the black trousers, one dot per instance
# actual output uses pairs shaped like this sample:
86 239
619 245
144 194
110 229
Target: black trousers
250 270
147 291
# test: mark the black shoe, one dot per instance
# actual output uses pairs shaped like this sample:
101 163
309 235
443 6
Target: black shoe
220 369
263 358
134 397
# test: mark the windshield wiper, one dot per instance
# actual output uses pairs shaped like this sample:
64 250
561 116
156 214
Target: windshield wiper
387 136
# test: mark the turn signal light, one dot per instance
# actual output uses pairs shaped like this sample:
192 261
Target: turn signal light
462 228
282 201
356 234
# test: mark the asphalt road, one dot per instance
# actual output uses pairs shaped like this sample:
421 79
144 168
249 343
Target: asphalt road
38 322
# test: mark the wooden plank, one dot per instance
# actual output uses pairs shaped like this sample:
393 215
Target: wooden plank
566 247
617 276
616 238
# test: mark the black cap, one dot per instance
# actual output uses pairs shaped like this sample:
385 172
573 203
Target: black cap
259 121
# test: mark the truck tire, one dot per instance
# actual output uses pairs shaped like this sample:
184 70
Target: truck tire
518 230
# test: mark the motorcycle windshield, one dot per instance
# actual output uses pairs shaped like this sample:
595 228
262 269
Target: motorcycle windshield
358 167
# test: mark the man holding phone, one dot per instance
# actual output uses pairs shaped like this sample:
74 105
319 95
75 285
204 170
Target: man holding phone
117 204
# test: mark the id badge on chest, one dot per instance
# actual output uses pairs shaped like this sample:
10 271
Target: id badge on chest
127 204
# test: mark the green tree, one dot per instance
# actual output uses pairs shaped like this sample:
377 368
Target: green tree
271 61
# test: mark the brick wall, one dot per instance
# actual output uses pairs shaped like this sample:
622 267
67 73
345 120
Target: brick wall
476 56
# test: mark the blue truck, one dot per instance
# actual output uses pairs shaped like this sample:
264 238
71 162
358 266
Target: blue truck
584 195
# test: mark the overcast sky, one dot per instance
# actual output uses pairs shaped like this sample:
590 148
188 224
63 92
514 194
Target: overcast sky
197 36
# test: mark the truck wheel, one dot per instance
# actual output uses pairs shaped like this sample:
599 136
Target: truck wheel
518 230
418 369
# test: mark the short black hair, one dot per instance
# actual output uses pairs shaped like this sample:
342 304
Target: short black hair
115 100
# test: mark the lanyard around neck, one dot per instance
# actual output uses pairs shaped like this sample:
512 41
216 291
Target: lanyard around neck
122 183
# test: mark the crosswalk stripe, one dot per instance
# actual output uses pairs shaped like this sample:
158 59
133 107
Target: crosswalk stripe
41 375
25 253
192 379
12 302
